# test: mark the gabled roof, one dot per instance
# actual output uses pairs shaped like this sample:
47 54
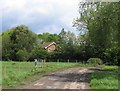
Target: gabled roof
47 44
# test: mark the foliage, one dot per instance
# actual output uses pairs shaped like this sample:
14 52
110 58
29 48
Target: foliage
111 55
0 48
38 52
105 79
22 55
100 22
17 43
47 37
67 44
95 61
6 45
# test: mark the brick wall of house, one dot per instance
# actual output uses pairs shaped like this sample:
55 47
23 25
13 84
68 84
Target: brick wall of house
51 48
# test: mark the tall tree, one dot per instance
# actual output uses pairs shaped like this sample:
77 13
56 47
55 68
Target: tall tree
17 41
47 37
100 20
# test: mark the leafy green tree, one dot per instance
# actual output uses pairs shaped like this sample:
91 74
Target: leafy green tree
66 44
47 37
38 52
100 22
22 55
22 38
7 45
0 47
16 41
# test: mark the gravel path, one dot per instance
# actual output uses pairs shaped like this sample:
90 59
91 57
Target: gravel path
71 78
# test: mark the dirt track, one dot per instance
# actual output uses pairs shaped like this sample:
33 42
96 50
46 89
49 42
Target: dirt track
71 78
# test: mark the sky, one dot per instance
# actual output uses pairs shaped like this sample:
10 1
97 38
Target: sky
40 15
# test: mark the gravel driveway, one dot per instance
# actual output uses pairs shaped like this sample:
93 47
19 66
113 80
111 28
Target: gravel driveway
71 78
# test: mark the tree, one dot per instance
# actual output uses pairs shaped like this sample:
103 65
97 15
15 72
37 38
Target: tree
16 41
0 47
38 52
22 55
47 37
7 45
22 38
100 22
66 44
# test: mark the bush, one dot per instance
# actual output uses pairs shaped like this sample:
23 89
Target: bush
22 55
111 55
95 61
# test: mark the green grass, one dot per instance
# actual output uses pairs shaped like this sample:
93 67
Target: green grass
0 74
15 78
105 79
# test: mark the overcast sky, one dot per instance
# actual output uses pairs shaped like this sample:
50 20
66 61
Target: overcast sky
40 15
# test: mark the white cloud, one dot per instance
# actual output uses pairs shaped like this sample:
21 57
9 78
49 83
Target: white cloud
51 29
50 14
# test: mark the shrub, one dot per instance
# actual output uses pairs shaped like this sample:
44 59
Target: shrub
13 63
95 61
22 55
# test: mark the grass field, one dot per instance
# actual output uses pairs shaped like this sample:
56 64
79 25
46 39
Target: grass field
16 75
105 79
25 73
0 75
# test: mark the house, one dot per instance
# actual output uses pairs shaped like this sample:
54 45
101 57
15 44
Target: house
49 46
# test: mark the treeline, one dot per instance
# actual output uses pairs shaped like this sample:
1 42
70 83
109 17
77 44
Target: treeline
21 44
101 25
99 35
